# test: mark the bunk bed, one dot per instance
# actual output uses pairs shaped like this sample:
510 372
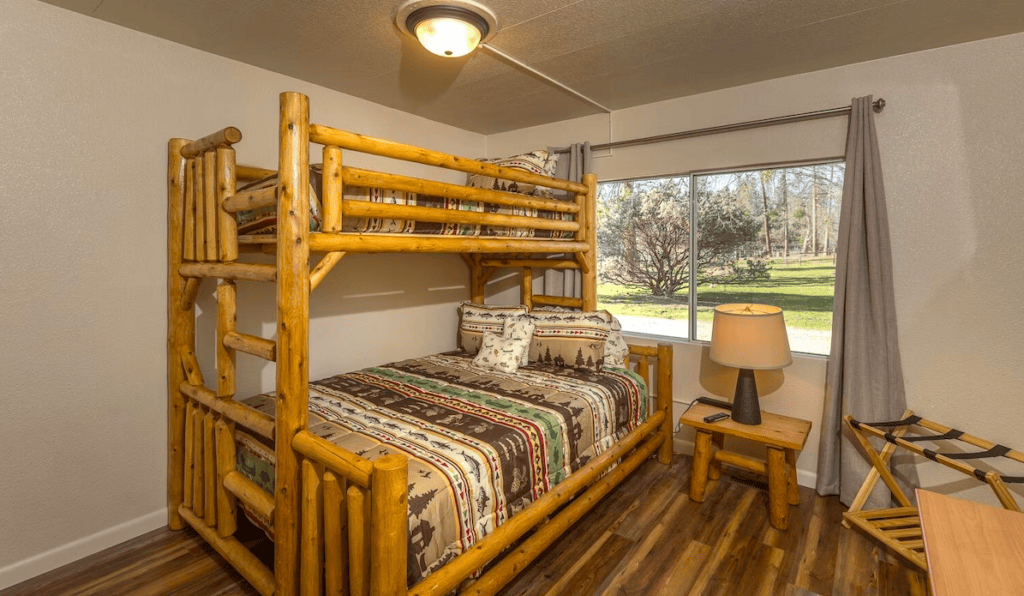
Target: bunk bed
339 520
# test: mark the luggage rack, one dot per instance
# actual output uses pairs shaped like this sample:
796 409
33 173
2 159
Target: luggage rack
900 528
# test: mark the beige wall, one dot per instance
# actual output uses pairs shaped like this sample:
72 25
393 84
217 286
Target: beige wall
87 108
952 144
86 111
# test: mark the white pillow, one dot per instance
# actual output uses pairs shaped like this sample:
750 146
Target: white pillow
477 319
520 327
501 354
616 349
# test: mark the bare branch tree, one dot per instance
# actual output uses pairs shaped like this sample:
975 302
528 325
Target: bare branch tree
644 234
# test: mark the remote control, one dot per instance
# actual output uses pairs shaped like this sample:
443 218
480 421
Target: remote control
715 417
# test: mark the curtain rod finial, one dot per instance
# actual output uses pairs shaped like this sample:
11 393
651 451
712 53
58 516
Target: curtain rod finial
879 105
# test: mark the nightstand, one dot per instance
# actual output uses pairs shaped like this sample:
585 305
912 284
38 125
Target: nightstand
781 435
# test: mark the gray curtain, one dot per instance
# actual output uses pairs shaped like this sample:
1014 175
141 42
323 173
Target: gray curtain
865 377
573 161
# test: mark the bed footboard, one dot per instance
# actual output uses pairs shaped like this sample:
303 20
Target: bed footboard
354 535
659 357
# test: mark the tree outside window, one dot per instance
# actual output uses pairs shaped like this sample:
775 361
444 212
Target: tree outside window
761 236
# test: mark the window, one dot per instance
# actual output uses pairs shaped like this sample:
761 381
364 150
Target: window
763 235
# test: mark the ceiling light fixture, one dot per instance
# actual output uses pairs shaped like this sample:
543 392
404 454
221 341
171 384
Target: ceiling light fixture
448 28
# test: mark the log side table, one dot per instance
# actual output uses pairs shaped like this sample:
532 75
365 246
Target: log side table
783 436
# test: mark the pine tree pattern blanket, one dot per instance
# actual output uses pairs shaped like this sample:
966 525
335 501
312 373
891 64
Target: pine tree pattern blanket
481 444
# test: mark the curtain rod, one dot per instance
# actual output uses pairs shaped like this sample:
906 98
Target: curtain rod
878 106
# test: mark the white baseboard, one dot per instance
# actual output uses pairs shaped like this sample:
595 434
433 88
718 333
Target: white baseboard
803 477
39 564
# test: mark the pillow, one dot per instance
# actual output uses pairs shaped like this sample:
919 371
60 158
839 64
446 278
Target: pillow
570 338
520 327
501 353
536 162
264 219
477 319
616 349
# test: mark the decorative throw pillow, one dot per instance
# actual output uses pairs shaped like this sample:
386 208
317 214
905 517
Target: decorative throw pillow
477 319
501 353
570 338
615 349
264 219
536 162
520 327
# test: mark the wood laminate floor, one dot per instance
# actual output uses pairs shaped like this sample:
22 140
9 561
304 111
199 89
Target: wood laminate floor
646 538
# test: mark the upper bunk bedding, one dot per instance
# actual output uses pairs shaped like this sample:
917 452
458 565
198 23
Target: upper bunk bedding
264 220
481 444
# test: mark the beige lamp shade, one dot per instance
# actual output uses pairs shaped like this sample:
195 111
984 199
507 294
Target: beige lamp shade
750 336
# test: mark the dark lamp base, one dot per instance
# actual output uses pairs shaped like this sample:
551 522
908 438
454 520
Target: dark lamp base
745 407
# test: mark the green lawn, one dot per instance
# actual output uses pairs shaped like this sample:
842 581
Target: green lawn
803 290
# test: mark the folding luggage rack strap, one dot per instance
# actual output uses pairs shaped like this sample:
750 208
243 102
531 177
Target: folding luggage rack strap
900 528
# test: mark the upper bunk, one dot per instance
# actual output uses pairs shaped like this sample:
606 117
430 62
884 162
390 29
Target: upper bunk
349 204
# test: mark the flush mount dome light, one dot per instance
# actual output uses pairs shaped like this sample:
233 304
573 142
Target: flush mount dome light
447 28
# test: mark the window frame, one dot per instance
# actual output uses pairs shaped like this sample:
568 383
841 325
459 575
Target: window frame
691 302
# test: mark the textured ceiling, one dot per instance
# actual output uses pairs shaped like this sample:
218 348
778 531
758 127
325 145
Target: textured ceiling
621 53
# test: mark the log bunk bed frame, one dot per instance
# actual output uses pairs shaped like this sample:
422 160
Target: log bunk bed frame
330 504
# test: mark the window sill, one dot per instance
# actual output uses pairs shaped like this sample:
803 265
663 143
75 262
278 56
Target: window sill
683 340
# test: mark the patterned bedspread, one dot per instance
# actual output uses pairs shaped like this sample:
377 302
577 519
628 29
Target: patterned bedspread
481 444
264 219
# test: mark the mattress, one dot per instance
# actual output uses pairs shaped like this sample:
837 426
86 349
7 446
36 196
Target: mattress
482 445
264 220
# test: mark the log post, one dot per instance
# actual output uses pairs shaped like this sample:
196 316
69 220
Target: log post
190 456
389 525
199 469
701 463
189 220
212 204
778 507
227 520
664 400
199 200
588 234
358 541
332 189
312 567
292 332
335 535
718 442
226 183
226 315
477 282
209 470
526 291
177 317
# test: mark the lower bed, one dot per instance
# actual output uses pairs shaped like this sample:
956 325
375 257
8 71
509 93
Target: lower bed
482 445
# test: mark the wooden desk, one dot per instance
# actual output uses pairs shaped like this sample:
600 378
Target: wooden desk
782 435
971 548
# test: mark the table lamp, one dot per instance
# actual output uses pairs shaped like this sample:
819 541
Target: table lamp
749 337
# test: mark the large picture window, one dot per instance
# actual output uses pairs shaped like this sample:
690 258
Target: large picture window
672 248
